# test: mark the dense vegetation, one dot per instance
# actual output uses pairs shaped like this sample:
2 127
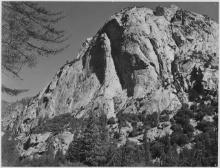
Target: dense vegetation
184 147
93 145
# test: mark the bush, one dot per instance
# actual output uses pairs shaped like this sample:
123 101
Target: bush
48 160
122 118
187 128
172 121
215 118
57 124
183 115
135 133
203 110
166 112
204 126
156 149
199 116
207 145
152 119
111 121
186 158
179 138
130 154
164 118
116 135
176 128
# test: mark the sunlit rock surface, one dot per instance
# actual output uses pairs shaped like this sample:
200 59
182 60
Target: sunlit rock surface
140 61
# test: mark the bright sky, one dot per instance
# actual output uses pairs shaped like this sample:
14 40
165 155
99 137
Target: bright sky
84 19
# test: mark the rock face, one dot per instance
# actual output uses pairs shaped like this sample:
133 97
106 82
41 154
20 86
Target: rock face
141 61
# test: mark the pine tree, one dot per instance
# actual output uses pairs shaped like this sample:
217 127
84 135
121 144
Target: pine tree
28 31
150 121
113 155
146 148
92 146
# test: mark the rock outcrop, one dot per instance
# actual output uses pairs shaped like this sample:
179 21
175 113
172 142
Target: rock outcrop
141 61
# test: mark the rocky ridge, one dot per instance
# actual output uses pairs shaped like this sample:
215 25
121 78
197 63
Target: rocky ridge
141 61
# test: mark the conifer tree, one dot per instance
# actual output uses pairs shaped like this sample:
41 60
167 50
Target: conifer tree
92 146
146 147
28 31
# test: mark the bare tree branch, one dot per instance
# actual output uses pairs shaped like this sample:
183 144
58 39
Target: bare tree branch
13 92
28 31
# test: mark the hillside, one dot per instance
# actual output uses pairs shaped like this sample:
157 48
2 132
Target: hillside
142 91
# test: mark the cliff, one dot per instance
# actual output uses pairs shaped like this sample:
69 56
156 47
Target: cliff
140 62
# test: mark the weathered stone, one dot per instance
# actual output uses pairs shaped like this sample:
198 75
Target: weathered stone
141 61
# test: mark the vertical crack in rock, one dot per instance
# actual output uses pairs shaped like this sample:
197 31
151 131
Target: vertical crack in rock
114 33
98 62
160 74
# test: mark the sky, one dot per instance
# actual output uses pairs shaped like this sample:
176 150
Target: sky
83 20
